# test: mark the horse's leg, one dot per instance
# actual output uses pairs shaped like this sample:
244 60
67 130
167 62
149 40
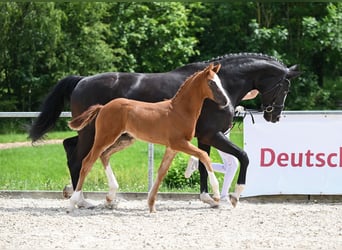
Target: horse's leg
69 147
221 142
162 171
122 142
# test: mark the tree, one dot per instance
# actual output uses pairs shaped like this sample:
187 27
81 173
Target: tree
278 29
41 43
83 49
29 36
151 37
323 40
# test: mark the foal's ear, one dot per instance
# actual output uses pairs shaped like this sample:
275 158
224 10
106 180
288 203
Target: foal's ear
209 67
216 68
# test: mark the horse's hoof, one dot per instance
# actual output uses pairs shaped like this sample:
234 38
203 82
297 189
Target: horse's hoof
67 191
205 197
233 200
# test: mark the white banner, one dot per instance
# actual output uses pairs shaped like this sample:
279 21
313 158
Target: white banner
301 154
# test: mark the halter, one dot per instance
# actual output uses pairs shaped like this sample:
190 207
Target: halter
283 84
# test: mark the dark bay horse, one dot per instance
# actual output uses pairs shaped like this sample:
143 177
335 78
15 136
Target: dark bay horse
170 123
239 74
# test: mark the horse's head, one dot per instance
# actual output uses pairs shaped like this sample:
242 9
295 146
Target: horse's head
218 93
273 98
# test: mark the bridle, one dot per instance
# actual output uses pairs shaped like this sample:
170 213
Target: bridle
282 86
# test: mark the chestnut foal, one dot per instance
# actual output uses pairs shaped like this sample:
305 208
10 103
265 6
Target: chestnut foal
170 123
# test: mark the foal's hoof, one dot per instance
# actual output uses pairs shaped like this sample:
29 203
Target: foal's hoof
151 205
85 204
153 209
233 200
205 197
70 210
67 191
111 205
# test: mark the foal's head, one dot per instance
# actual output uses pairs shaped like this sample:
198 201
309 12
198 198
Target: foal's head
215 89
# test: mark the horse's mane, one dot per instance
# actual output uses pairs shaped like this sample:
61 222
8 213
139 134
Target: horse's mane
234 56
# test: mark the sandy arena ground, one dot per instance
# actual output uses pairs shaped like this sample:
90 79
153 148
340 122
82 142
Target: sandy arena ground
44 224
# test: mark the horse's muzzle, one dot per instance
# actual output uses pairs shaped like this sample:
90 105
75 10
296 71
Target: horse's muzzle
271 117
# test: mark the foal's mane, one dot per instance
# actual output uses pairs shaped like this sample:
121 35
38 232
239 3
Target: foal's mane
234 56
185 83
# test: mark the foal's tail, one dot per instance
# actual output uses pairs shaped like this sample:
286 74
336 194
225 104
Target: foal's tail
85 118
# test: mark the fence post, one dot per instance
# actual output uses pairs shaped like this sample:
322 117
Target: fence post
150 165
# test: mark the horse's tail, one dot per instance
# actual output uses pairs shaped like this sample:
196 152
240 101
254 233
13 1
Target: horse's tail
85 118
293 72
53 107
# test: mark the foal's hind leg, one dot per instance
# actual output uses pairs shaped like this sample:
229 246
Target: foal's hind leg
162 171
122 142
102 141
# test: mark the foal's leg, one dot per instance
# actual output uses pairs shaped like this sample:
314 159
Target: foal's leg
113 184
162 171
102 141
204 195
190 149
122 142
222 143
87 164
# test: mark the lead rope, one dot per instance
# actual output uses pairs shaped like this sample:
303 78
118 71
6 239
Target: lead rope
240 111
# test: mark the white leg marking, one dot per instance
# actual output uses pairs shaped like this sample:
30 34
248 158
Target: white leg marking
205 197
238 190
74 199
113 187
234 197
83 203
112 183
214 184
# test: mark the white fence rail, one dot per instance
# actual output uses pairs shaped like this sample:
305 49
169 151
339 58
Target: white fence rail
27 114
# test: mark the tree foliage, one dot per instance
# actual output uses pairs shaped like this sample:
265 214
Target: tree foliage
42 42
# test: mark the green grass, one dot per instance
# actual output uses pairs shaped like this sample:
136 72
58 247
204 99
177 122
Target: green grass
44 167
17 137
